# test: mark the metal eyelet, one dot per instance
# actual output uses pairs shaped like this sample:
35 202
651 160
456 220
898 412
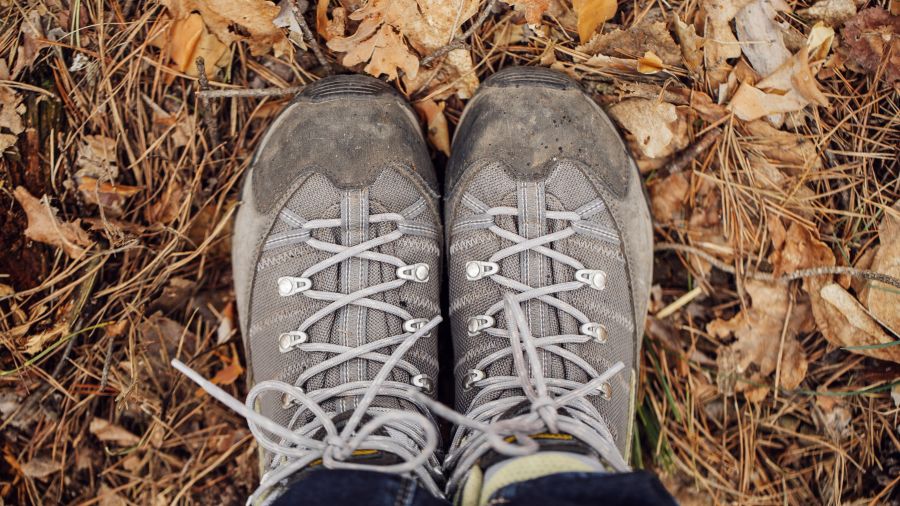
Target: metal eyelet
414 272
477 269
595 330
424 382
290 285
290 340
595 279
473 376
415 324
287 401
605 390
478 323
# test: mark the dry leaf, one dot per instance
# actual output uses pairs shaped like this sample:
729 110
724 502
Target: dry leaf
533 9
638 40
655 126
109 196
438 131
234 20
330 28
762 39
794 150
690 45
649 63
668 197
11 111
40 468
188 39
789 89
37 342
884 301
44 226
758 329
97 158
33 40
845 322
832 12
591 14
868 39
721 44
231 372
287 19
108 432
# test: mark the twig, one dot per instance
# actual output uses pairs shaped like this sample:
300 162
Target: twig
251 93
460 42
688 154
208 120
767 276
310 39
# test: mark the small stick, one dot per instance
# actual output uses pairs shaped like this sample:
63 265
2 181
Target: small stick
208 120
686 155
310 39
251 93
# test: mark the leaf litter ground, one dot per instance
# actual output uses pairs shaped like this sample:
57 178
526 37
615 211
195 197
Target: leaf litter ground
766 132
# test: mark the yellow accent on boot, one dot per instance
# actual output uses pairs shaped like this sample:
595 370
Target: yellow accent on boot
528 468
472 488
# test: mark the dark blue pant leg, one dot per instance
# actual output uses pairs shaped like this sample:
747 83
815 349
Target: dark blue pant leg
342 487
366 488
586 489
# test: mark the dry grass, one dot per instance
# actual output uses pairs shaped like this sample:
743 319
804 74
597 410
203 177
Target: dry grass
157 282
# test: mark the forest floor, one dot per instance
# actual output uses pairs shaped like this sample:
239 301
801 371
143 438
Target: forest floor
767 132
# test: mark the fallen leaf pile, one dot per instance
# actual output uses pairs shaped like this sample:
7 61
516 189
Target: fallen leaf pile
206 28
393 34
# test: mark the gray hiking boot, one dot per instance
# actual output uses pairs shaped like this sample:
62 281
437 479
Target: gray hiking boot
550 258
337 270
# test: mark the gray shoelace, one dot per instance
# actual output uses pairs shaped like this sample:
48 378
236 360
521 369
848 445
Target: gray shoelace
410 435
555 404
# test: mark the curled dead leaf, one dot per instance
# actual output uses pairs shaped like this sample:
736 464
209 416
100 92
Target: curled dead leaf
649 63
109 432
591 14
845 322
45 227
832 12
436 122
691 45
188 39
532 9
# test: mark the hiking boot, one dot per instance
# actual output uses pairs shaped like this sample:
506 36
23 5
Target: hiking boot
337 271
550 257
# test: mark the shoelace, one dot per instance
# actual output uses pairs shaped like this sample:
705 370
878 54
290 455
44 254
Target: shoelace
479 430
560 406
295 449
